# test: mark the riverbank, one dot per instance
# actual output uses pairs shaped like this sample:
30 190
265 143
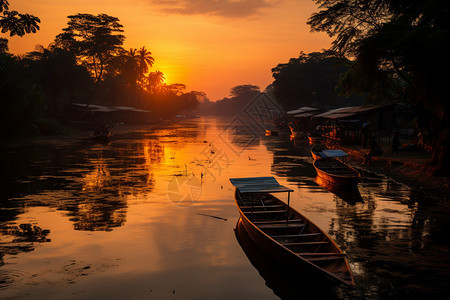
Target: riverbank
407 167
77 134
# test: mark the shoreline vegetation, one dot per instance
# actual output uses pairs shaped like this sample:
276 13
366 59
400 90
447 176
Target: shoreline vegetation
411 169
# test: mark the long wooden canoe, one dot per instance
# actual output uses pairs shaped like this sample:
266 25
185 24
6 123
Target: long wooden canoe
286 283
286 235
336 172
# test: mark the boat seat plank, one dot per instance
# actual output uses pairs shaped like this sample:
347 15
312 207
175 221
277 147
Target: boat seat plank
278 221
280 226
313 259
266 211
296 235
304 243
320 254
261 206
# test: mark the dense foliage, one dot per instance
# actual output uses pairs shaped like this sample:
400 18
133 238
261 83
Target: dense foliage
85 64
16 23
310 80
233 105
400 50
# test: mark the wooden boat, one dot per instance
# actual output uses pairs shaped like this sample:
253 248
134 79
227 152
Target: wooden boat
336 172
286 283
315 138
271 132
101 135
294 134
316 151
286 235
320 151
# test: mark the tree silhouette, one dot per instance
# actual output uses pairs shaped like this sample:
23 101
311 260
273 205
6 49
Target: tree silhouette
16 23
145 61
95 40
59 74
154 81
402 45
310 80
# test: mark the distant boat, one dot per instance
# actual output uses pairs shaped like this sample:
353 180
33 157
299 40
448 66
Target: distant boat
296 134
336 172
285 235
101 135
315 138
271 132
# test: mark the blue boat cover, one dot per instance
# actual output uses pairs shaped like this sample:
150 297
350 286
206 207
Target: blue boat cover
333 153
259 185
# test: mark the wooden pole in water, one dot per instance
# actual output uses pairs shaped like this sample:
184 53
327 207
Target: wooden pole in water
287 215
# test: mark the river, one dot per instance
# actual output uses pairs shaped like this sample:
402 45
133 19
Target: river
151 215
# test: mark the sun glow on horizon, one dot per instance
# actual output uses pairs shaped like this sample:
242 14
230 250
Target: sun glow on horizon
205 51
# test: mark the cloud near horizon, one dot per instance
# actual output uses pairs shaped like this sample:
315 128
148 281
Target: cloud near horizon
222 8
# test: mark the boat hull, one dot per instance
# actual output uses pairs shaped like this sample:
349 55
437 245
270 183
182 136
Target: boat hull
289 258
285 283
271 132
315 155
349 176
315 140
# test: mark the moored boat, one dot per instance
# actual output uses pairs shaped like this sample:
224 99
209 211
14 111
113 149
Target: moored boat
315 138
316 151
271 132
320 151
101 135
286 235
336 172
286 283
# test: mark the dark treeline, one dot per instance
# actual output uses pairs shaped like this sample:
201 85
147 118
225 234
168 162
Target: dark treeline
383 52
399 52
86 63
239 97
311 80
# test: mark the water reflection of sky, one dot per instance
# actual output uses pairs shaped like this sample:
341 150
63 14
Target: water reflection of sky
131 218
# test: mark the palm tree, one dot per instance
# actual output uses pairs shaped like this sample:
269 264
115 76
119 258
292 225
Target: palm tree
144 60
154 81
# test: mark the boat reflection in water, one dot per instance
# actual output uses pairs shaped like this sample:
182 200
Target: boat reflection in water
349 193
285 283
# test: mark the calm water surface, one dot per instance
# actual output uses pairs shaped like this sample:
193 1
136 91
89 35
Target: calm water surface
151 215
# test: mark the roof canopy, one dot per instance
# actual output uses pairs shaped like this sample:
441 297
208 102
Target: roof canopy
349 111
302 110
259 185
303 115
102 108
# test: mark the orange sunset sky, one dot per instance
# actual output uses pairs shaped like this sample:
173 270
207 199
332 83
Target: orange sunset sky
209 45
